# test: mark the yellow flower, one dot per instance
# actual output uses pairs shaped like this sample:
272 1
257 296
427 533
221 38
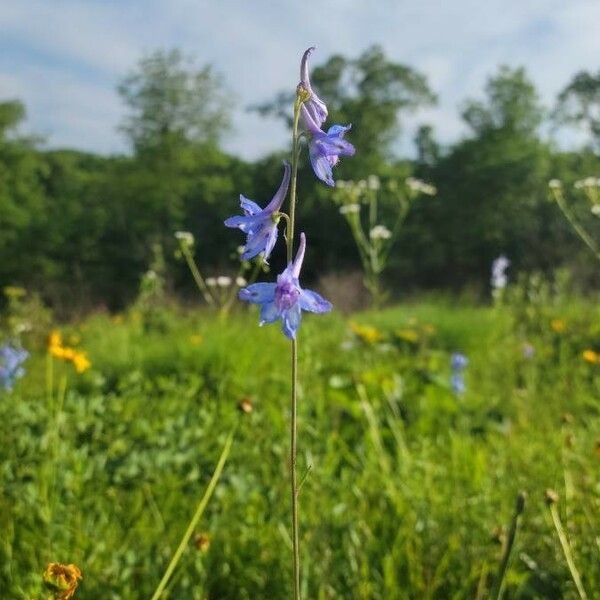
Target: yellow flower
81 362
79 359
591 356
62 578
558 325
408 335
54 339
366 332
196 339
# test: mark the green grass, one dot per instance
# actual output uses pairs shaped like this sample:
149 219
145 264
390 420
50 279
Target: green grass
407 486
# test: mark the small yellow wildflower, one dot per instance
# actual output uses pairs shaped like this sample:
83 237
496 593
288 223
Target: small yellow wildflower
81 362
366 333
591 356
62 579
79 359
558 325
408 335
196 339
54 339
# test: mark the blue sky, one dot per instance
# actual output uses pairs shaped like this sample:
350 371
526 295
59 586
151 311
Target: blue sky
64 58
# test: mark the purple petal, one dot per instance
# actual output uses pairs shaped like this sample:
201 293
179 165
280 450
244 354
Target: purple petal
281 193
291 319
270 243
258 293
334 146
309 122
249 206
297 264
320 164
315 107
338 130
246 224
259 239
313 302
268 313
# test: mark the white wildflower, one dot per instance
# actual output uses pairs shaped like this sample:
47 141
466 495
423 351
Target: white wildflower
348 209
373 182
223 281
185 237
211 282
240 281
499 278
380 232
555 184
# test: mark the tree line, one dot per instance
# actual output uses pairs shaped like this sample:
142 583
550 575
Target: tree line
81 228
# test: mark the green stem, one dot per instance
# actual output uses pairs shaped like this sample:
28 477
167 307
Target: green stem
197 515
510 541
191 263
294 399
581 232
566 547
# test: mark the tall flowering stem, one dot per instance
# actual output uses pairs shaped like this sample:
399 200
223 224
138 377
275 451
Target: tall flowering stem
284 300
294 343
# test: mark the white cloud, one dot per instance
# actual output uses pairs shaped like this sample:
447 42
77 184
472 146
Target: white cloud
64 58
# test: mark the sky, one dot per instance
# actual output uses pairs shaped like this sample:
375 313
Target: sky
64 58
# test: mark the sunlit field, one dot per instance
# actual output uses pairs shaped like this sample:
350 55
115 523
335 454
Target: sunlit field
299 303
408 488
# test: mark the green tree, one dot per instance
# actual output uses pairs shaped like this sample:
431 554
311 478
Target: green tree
579 104
172 102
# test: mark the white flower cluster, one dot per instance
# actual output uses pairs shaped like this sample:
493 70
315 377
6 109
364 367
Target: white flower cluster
380 232
419 186
588 182
499 278
349 209
185 237
224 281
555 184
371 183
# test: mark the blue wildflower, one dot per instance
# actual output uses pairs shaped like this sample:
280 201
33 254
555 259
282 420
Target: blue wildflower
314 105
11 359
260 224
457 383
325 149
285 299
458 361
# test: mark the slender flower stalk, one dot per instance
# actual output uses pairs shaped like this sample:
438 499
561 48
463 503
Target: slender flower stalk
498 590
294 365
558 195
285 300
551 501
195 519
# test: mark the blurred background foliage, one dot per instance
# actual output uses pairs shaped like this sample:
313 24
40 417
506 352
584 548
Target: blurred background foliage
79 228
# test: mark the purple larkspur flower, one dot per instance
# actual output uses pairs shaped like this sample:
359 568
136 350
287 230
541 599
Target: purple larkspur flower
325 149
458 361
285 299
260 224
315 107
11 359
457 383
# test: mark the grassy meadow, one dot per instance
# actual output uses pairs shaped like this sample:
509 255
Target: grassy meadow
408 488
